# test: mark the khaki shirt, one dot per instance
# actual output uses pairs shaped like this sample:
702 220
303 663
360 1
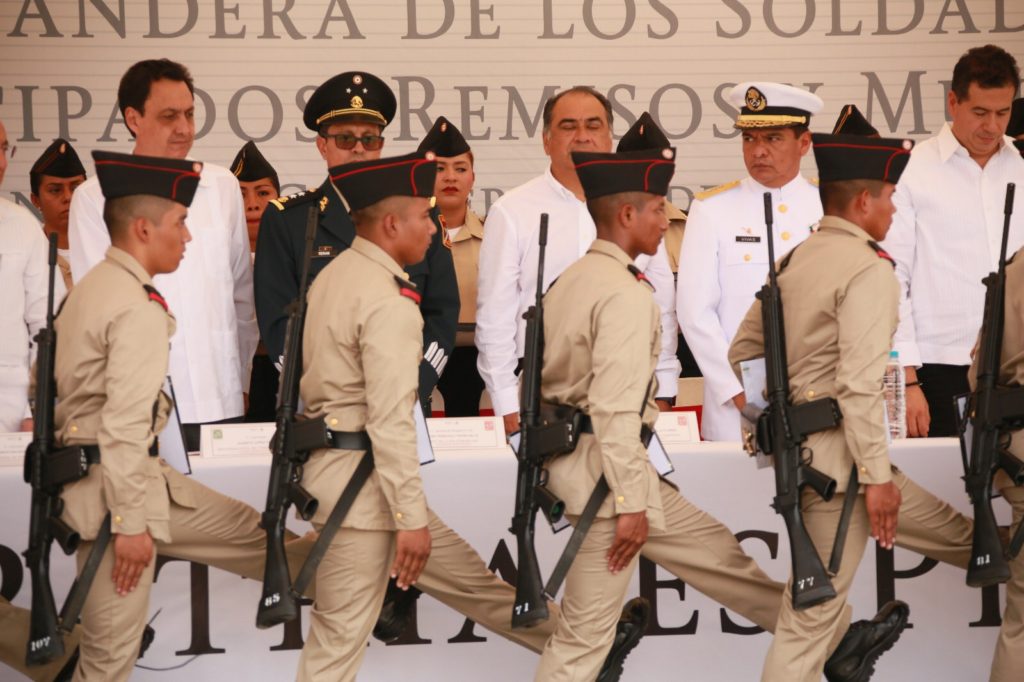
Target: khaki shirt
674 235
466 254
113 343
602 332
361 352
840 302
1011 372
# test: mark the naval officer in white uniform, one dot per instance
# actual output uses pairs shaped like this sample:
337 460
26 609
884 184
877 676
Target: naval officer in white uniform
723 260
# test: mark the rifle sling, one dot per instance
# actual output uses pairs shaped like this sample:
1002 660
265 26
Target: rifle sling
1016 543
579 533
80 588
333 523
844 522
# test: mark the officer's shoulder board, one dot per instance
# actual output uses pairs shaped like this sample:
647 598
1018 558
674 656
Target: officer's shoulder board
297 199
153 295
408 289
707 194
882 253
815 181
639 275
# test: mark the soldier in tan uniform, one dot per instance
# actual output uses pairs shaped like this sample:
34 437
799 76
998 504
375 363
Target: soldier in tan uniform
645 134
460 383
112 352
1009 657
52 179
840 299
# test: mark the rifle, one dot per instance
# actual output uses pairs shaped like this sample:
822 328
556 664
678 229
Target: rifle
782 428
995 410
291 445
534 448
47 469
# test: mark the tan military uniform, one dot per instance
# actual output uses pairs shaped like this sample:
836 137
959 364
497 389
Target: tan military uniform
112 350
1009 657
602 334
841 306
466 254
674 235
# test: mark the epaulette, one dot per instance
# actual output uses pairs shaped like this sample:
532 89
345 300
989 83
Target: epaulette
815 181
673 212
882 253
708 193
408 289
155 295
639 275
297 199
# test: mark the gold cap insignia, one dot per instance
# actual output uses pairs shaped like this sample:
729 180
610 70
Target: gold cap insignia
667 153
357 79
197 167
63 148
323 203
755 100
444 126
357 102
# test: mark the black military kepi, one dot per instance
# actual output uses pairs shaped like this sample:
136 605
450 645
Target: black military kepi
644 134
646 170
367 182
250 165
444 139
124 175
59 160
852 122
350 96
855 157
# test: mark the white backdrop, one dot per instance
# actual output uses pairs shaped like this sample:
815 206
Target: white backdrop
486 64
474 494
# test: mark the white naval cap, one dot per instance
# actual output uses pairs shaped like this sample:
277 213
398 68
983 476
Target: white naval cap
773 105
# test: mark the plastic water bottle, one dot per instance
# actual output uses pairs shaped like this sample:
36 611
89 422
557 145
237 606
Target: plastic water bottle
894 386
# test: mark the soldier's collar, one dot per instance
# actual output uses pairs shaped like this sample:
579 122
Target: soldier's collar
367 248
607 248
473 227
125 260
835 223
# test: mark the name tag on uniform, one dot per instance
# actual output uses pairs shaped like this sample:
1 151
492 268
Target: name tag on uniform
325 251
748 239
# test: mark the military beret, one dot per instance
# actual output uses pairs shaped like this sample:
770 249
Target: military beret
852 122
444 139
1015 128
645 170
773 105
353 95
58 160
250 165
123 175
644 134
855 157
365 183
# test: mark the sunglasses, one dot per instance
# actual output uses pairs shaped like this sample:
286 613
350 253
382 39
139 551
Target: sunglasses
371 143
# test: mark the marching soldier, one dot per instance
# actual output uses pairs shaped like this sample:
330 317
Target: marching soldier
53 178
112 356
841 306
460 385
348 113
645 134
361 349
724 258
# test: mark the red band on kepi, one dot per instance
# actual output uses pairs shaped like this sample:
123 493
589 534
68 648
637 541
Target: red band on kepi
367 182
123 175
855 157
645 170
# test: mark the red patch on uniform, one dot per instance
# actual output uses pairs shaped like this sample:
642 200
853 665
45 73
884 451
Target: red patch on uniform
411 293
159 299
883 254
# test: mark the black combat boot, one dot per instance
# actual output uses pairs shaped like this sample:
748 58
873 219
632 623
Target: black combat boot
394 615
632 626
866 640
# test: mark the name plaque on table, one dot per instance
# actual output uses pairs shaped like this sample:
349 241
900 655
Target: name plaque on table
13 446
677 428
237 440
466 433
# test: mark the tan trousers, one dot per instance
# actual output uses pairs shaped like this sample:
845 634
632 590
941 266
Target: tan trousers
804 639
693 546
218 530
351 580
1008 663
590 610
930 526
14 629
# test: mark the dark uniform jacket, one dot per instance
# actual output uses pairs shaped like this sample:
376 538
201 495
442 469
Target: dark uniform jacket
279 251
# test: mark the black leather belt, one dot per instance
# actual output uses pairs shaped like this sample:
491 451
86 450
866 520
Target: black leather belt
348 440
92 452
587 426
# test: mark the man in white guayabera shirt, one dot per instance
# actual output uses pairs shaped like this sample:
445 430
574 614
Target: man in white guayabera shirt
211 293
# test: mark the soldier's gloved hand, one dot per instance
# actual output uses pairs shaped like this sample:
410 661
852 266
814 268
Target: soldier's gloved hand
630 535
883 504
132 553
412 548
